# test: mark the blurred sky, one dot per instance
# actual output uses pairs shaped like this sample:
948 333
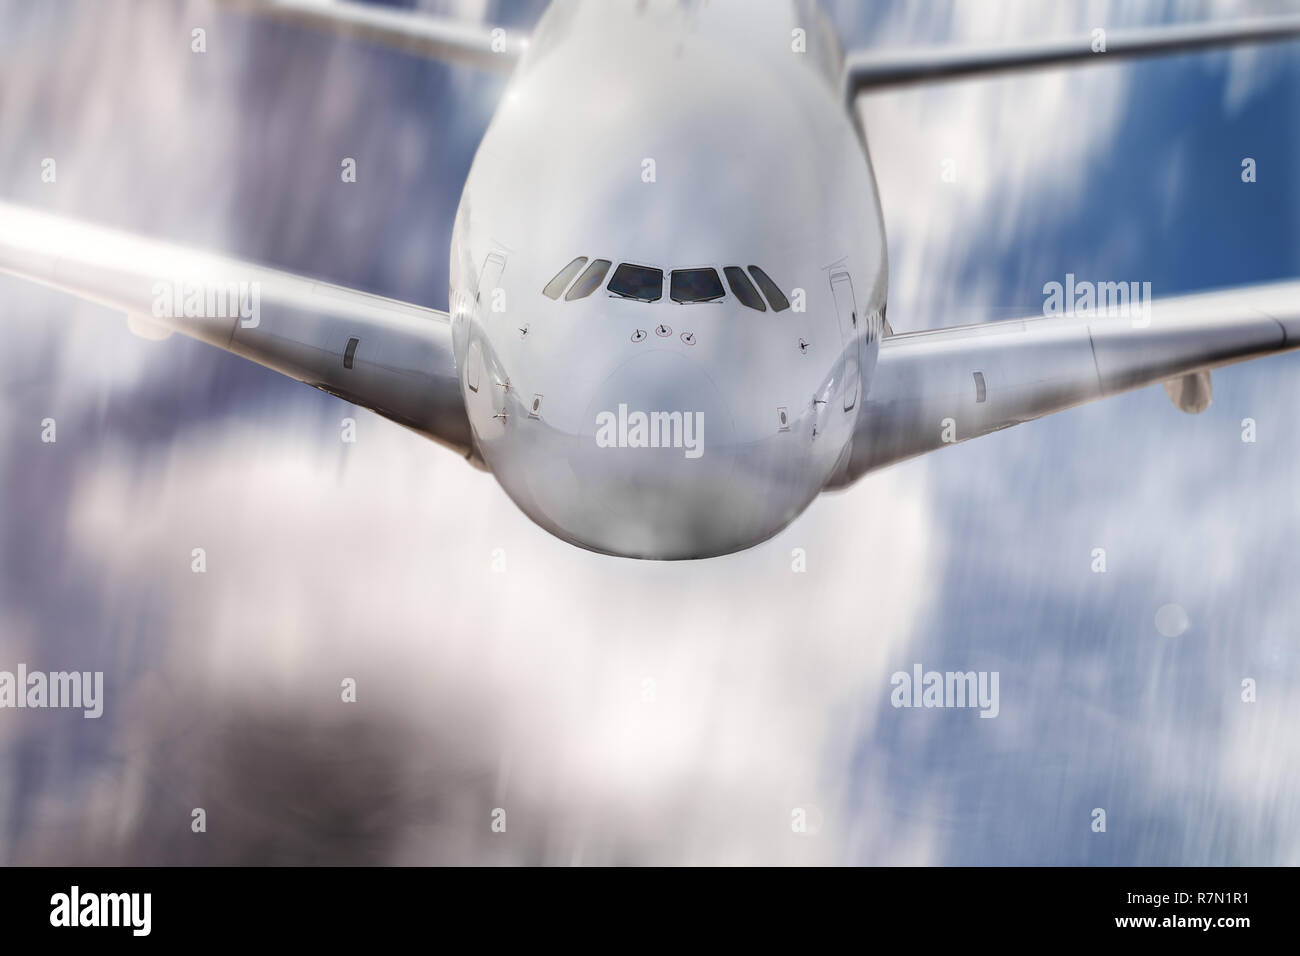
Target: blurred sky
626 711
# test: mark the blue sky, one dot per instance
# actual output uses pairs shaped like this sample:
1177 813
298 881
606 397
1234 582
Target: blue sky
1108 712
528 690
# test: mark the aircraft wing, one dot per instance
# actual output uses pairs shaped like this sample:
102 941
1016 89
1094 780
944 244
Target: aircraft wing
388 356
935 388
869 70
408 30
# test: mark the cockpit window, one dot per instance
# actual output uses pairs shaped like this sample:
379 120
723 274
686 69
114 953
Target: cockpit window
743 289
686 286
770 289
563 278
637 282
589 281
695 285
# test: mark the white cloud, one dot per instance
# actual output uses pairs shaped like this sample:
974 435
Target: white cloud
384 574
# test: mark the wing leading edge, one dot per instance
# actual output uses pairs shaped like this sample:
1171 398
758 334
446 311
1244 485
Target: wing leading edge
385 355
935 388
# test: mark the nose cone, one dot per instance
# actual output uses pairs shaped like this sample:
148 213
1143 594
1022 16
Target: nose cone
658 458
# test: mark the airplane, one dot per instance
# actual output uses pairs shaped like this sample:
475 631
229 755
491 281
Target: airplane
667 328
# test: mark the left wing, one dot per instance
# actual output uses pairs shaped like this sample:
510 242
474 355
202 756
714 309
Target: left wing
932 389
393 358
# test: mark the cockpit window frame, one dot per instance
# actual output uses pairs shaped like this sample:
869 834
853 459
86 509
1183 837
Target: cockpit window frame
598 269
712 300
767 285
649 267
758 290
745 283
564 278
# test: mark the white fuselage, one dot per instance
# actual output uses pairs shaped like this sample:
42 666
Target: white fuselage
674 136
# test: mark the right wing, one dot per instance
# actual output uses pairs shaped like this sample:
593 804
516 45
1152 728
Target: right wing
871 69
393 358
407 30
934 388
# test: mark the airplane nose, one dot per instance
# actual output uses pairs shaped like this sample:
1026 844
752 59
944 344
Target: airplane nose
658 453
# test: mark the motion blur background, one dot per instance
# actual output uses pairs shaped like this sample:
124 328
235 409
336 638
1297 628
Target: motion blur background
624 711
